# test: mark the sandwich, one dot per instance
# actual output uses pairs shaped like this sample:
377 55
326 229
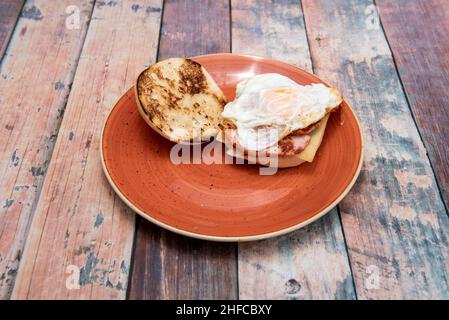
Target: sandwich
276 122
273 120
180 100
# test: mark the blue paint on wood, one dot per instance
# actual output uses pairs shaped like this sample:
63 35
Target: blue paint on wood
32 12
15 159
99 219
135 7
8 203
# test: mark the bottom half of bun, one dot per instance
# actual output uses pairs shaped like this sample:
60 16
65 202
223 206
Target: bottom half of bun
278 162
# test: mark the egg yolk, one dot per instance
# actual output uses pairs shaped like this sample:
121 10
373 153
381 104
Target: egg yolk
280 101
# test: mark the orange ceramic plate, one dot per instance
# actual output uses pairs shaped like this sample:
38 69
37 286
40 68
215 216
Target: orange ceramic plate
228 202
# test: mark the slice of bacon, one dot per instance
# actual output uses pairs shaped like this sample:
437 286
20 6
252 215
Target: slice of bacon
288 146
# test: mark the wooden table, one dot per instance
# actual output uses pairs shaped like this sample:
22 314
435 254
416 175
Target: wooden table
64 234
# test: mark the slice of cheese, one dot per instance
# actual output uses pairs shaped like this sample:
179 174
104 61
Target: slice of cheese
315 141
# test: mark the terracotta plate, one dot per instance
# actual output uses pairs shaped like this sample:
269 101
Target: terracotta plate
228 202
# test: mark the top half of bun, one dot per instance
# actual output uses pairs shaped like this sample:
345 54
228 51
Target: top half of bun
179 99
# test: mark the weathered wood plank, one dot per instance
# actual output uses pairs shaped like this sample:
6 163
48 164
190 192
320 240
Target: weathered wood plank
166 265
36 74
268 29
311 263
418 35
80 225
170 266
394 221
9 13
192 28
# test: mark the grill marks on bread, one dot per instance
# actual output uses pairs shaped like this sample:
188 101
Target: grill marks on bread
180 100
192 78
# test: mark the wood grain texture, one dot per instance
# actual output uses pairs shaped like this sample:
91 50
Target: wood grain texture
192 28
418 35
36 74
166 265
9 13
271 29
394 220
80 225
311 263
170 266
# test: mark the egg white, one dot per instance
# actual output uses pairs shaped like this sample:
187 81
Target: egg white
270 106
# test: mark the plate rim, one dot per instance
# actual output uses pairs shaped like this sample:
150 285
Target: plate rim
260 236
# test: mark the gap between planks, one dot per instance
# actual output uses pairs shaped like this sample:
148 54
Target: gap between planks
394 220
9 15
78 214
416 34
167 265
310 263
35 45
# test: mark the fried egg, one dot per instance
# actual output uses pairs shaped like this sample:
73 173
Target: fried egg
270 106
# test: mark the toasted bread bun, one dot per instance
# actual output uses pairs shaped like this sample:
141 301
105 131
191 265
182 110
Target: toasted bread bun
179 99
